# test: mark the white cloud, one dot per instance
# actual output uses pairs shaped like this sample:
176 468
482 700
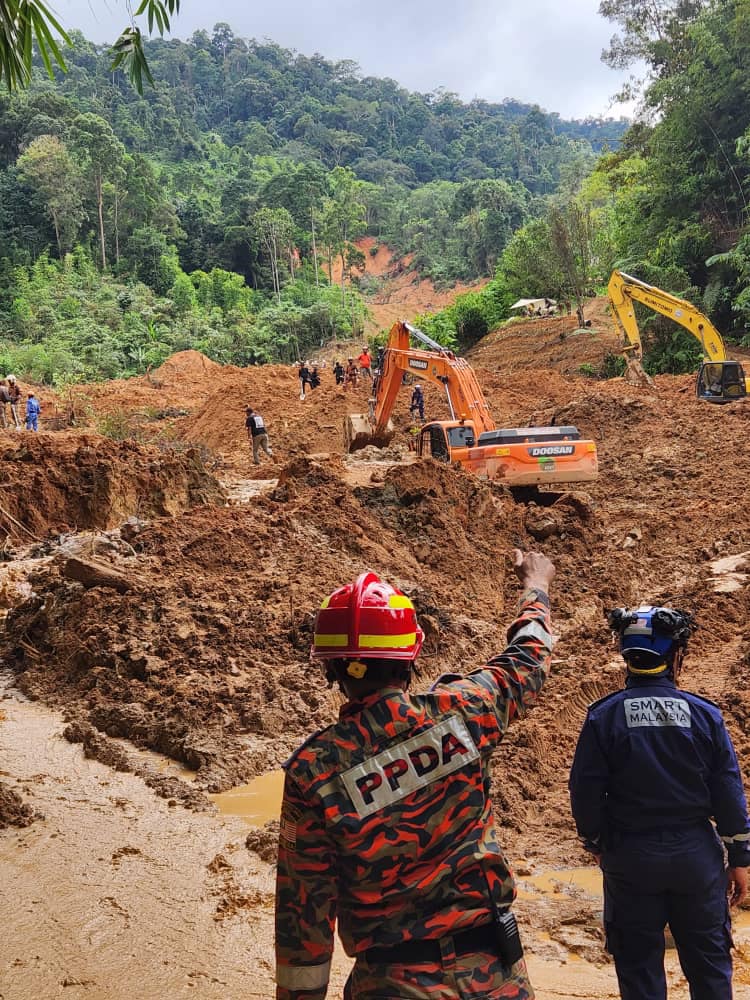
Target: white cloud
537 51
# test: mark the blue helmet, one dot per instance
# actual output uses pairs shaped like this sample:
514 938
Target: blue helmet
649 636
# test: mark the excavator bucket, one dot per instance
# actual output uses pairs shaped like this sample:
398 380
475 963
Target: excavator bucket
358 433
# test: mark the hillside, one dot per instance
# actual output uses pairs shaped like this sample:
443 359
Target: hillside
203 656
202 214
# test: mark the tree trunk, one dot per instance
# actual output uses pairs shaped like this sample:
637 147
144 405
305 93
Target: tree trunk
314 248
117 225
100 206
57 234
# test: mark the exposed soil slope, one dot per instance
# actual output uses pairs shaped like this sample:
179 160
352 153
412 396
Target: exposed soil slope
57 482
397 291
553 342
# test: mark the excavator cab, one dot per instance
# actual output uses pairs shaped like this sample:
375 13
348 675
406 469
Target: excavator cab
721 382
433 444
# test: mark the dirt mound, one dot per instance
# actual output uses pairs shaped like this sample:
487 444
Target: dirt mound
186 364
72 482
555 342
182 382
13 810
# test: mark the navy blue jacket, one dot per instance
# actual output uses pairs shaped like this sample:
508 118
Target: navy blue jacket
655 757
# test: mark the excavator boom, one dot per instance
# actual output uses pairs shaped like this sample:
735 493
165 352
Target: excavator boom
438 365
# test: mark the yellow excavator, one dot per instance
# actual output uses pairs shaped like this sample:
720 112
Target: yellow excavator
720 380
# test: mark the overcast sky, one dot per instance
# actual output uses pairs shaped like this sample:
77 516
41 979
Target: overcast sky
545 52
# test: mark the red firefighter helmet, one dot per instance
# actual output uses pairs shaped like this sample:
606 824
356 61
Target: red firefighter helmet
367 619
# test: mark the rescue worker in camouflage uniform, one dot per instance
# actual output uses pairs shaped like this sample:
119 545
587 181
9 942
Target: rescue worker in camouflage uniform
654 764
386 822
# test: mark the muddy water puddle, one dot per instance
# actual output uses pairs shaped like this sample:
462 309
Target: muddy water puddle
586 881
256 802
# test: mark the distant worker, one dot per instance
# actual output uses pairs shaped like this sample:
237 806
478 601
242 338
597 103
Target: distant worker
365 363
386 824
33 409
351 375
304 378
338 373
413 433
257 434
653 766
4 402
314 377
417 402
14 390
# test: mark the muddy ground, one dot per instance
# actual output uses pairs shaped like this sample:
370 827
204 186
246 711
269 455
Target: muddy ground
203 657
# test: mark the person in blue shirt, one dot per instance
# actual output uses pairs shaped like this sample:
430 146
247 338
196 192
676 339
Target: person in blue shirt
32 412
654 766
417 402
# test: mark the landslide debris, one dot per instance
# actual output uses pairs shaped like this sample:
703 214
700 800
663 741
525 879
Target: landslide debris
207 659
62 482
13 810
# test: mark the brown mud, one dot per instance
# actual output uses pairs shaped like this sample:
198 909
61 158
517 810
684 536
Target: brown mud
204 656
54 483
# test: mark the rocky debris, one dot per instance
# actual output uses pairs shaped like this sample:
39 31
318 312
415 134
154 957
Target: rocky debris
264 841
13 810
132 528
393 453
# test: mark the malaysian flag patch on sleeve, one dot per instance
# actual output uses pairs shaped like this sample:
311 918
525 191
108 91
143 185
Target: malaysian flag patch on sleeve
288 827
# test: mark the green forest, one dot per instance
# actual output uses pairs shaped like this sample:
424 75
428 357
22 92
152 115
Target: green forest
668 205
207 211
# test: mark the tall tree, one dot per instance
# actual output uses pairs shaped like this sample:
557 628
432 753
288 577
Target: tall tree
572 231
273 227
102 155
342 219
47 166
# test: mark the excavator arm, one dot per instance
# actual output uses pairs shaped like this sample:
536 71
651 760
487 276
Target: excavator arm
726 377
624 290
438 365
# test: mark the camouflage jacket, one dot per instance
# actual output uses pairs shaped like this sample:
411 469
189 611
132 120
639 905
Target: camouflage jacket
386 822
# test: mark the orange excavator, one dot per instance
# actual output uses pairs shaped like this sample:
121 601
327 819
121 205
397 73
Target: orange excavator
517 456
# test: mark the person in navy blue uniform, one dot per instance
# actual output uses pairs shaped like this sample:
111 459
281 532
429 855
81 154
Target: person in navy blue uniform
653 767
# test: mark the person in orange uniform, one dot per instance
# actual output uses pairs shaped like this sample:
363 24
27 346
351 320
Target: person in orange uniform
386 822
365 363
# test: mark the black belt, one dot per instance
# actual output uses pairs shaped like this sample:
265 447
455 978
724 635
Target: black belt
481 938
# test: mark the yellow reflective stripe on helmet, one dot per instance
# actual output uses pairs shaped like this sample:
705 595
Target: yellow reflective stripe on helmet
644 672
325 603
387 641
321 639
399 601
